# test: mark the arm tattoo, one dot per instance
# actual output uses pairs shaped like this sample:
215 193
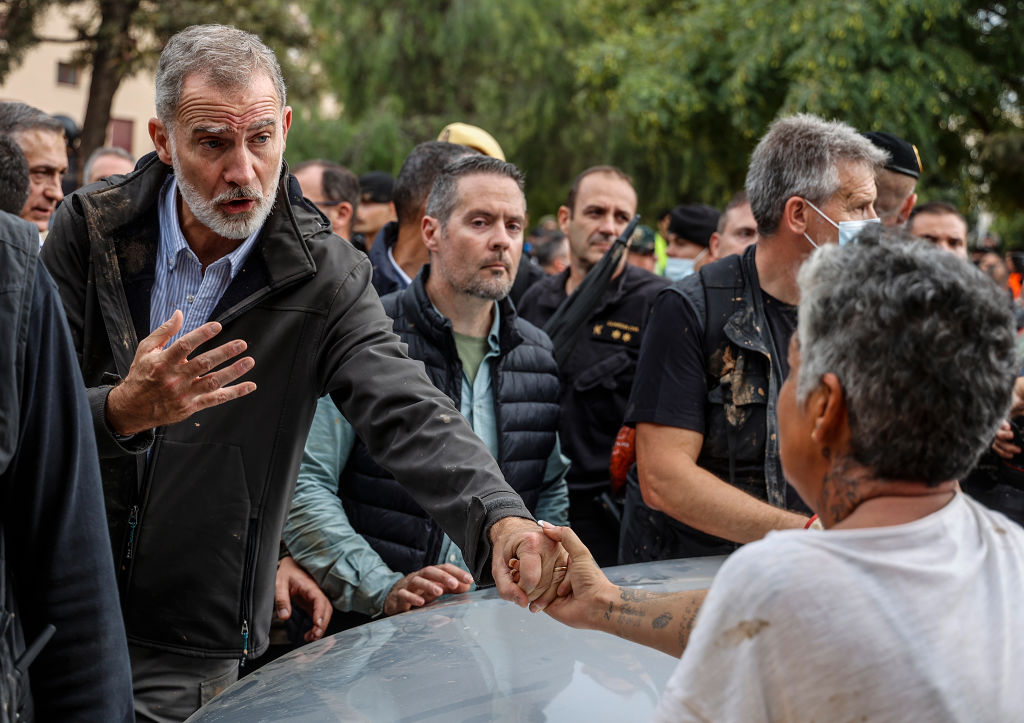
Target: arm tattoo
661 621
633 595
686 623
629 615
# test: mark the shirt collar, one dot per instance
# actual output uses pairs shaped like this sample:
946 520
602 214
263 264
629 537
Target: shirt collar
398 269
172 241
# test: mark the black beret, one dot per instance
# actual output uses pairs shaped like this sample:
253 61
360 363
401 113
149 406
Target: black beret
903 156
376 187
694 222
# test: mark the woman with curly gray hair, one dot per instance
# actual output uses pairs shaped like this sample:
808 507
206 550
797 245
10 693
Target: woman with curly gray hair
906 606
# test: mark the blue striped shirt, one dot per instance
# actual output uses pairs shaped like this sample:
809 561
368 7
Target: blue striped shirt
180 282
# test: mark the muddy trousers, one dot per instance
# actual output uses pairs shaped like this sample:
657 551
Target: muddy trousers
171 687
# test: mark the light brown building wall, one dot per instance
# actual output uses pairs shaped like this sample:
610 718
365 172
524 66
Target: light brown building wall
36 82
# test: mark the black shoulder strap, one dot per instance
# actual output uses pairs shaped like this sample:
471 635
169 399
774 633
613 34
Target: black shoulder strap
714 297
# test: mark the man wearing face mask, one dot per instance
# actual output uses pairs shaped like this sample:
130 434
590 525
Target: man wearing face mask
689 232
708 476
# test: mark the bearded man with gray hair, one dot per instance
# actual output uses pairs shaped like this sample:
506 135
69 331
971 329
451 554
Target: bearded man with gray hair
708 476
210 239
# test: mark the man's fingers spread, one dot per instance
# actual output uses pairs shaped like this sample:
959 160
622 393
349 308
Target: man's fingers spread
222 395
216 380
215 357
162 334
188 343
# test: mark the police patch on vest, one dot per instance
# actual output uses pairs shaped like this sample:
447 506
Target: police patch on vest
617 332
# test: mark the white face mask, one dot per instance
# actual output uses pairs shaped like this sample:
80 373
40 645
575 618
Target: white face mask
676 269
850 231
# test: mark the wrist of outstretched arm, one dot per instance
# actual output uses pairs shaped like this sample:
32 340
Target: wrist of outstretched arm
601 614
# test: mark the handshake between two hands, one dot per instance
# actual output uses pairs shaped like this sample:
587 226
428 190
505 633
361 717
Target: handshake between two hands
546 568
534 564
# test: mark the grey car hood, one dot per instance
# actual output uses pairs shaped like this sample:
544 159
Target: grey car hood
471 657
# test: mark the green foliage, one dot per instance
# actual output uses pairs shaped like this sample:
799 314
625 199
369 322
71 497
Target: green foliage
402 71
676 92
701 81
17 30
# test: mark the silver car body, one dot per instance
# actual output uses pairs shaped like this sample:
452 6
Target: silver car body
471 657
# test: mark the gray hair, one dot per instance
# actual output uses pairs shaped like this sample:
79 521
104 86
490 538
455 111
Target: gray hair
225 56
105 151
923 345
14 183
444 195
800 156
18 117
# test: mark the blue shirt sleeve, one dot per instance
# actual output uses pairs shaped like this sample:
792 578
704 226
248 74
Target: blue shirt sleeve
318 533
553 503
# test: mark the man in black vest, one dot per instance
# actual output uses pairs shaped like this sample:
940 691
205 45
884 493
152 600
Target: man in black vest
714 356
367 543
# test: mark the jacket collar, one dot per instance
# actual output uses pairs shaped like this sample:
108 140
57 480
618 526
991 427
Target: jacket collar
438 329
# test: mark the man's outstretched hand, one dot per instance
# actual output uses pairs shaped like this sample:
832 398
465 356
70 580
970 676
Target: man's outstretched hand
164 386
532 579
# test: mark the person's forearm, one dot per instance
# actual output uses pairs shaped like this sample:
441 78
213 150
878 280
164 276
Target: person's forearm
662 621
673 483
703 501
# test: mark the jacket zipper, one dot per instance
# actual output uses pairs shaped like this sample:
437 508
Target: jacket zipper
133 522
247 581
134 511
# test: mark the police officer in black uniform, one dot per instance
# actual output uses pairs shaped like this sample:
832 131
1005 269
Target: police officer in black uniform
598 375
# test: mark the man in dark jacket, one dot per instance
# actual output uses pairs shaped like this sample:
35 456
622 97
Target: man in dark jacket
598 375
197 490
365 541
58 569
398 253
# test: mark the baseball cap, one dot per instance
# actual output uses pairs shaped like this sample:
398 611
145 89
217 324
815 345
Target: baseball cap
476 138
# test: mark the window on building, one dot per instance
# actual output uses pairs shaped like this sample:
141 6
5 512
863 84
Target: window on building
121 133
67 74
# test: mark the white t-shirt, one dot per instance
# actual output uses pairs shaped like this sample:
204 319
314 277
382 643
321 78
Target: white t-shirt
915 622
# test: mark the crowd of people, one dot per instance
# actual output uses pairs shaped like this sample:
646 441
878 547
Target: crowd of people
314 397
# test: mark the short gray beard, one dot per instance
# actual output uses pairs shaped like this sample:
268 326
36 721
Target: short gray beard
493 289
239 226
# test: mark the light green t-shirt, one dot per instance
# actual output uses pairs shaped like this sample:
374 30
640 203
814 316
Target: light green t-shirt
471 352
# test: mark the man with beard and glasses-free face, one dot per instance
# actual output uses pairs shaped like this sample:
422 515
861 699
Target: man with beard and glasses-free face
708 476
598 374
207 266
371 548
